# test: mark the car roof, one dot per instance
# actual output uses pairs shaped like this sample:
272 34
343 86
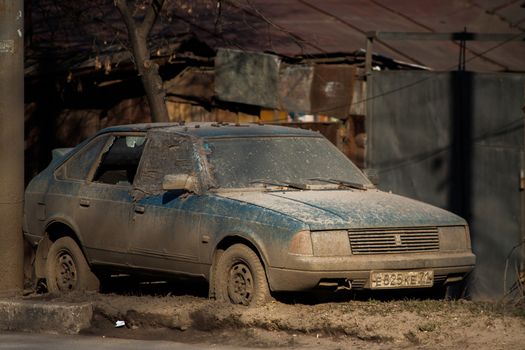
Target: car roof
214 130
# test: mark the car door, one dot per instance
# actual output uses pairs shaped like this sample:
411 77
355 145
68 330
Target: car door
165 232
105 201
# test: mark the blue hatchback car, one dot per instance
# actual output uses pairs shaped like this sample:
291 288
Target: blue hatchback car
250 208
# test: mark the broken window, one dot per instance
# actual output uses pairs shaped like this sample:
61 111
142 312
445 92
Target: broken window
167 154
120 161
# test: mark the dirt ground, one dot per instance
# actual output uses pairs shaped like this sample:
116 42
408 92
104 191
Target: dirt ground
343 322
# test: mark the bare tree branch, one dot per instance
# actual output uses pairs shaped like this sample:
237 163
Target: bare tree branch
218 16
152 13
148 70
127 17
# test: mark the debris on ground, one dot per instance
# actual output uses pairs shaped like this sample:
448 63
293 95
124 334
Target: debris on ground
370 324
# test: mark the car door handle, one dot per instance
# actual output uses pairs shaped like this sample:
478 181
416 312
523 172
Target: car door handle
84 202
139 209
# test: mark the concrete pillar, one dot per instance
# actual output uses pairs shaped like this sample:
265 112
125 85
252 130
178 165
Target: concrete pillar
11 143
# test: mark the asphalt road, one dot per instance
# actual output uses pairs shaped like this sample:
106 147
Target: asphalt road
23 341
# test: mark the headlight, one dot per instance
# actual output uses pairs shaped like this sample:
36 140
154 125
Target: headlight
331 243
301 244
454 238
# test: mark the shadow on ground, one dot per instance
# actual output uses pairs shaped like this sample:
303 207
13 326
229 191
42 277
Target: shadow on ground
129 285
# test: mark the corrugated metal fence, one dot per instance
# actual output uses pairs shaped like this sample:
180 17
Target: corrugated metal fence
456 140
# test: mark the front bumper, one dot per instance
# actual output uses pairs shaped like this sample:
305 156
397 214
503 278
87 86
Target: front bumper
308 271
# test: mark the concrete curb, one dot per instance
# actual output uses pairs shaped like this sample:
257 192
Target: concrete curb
44 317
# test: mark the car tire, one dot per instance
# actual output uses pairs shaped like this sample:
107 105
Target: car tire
67 269
240 277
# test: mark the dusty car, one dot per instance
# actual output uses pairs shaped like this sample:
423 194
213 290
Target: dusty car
250 208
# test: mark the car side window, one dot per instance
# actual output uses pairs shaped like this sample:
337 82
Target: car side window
78 166
120 160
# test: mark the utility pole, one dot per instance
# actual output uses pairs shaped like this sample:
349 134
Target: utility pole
11 144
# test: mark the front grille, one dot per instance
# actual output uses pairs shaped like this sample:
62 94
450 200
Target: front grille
390 241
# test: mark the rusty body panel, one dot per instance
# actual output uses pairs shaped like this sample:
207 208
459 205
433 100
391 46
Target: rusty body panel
108 195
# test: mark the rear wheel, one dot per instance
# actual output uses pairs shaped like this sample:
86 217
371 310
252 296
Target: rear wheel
240 277
67 269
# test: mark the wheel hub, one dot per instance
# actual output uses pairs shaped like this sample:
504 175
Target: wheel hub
66 272
240 284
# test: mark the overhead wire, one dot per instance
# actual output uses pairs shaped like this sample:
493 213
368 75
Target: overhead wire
301 42
257 13
430 76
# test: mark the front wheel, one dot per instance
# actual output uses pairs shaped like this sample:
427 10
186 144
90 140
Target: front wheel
240 277
67 269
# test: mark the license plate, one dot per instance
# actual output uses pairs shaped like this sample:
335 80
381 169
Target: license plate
401 279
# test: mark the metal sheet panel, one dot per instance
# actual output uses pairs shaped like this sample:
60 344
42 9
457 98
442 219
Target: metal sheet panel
408 139
332 90
264 80
495 224
247 77
456 140
295 87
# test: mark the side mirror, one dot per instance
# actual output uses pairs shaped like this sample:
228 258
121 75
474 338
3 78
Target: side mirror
179 182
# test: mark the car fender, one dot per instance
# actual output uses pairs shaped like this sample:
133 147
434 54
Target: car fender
66 221
46 241
228 239
248 238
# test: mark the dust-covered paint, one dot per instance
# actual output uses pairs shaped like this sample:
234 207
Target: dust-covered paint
347 209
108 195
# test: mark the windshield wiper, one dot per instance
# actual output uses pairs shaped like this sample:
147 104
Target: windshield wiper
281 184
344 183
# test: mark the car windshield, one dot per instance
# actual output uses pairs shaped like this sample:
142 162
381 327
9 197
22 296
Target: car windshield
280 161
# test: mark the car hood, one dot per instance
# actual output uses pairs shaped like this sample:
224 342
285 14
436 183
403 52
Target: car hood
329 209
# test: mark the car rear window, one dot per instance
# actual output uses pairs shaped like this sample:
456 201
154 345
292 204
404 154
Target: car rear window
77 167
